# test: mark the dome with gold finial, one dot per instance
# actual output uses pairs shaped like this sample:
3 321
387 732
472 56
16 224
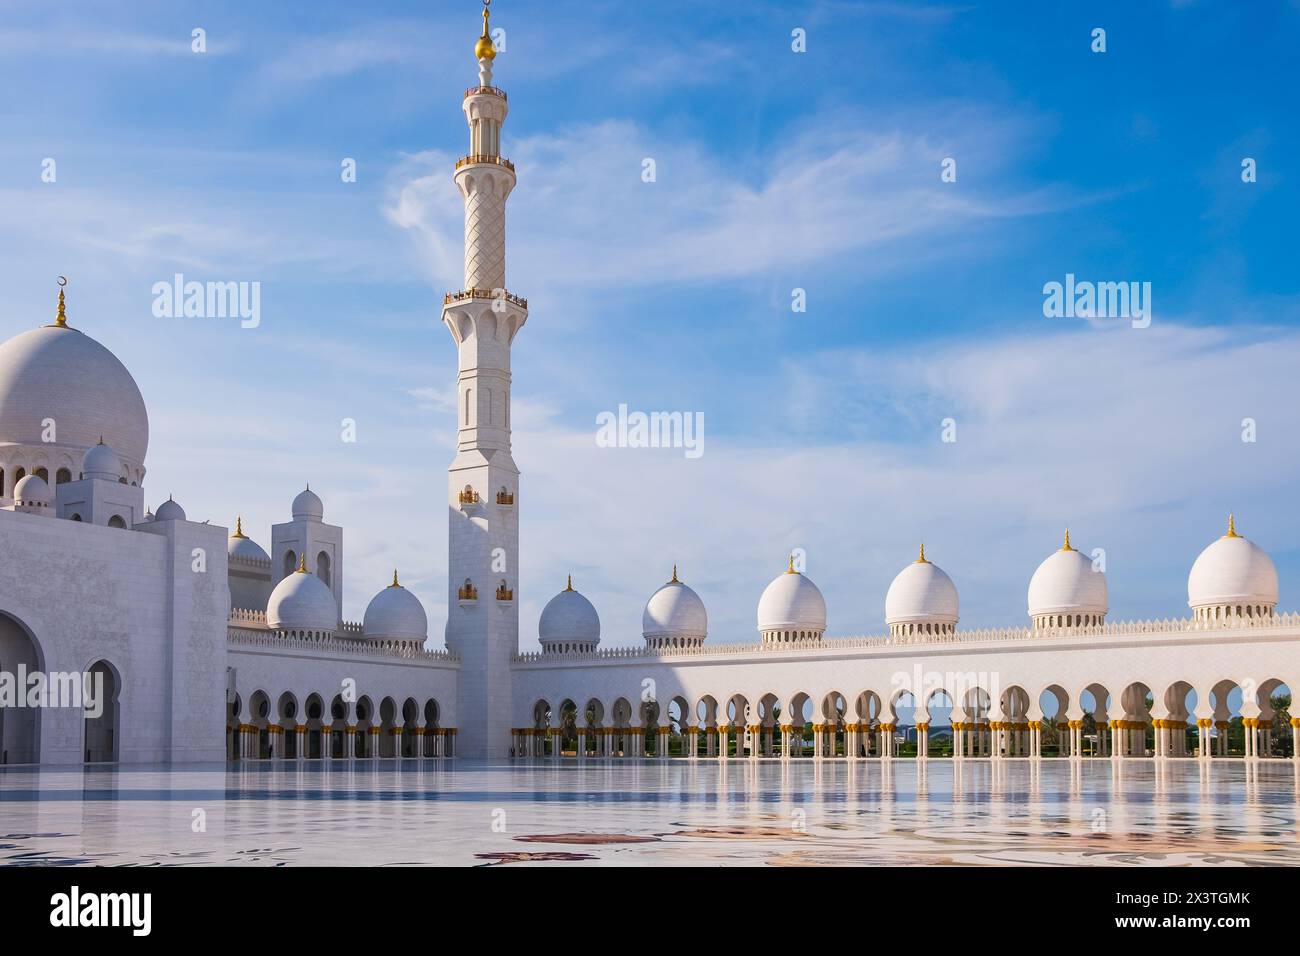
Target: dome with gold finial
56 373
569 624
484 49
1068 590
395 614
1232 581
921 600
302 603
240 547
791 608
674 617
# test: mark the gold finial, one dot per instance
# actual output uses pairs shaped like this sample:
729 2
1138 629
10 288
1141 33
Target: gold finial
483 49
394 584
302 563
789 568
61 320
569 587
674 580
239 527
921 559
1232 528
1066 546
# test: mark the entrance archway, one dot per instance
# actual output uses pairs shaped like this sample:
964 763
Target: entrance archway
20 727
103 731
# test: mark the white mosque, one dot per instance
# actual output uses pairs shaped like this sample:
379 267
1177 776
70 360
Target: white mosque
212 647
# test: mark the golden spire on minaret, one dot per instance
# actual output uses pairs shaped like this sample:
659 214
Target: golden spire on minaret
483 49
394 584
789 569
1232 528
570 584
674 580
921 559
302 564
61 319
1066 546
239 527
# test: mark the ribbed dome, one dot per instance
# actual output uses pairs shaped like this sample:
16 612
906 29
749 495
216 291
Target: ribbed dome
101 461
169 511
792 603
32 490
1067 585
1232 571
922 593
307 506
674 616
63 374
239 545
301 602
395 614
570 619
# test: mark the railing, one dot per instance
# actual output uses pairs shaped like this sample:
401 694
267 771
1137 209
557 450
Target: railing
468 497
476 159
467 592
832 646
505 594
247 615
354 647
490 90
465 294
505 498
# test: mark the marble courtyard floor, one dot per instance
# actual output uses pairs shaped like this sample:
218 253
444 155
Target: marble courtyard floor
1223 812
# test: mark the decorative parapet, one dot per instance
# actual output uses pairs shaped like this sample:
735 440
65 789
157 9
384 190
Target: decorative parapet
240 615
466 294
488 90
480 159
831 646
349 646
352 629
240 561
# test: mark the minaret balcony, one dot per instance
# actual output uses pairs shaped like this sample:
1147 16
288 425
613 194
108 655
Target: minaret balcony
465 295
505 594
486 90
480 160
467 595
505 499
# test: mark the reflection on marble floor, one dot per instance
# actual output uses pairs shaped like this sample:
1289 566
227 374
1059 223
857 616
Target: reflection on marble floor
801 813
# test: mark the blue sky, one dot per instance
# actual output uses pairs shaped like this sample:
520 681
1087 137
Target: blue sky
775 170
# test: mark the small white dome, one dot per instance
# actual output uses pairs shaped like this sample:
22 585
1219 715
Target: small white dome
169 511
791 602
569 618
301 602
1068 583
240 545
921 593
101 461
308 507
1232 571
32 490
674 614
395 614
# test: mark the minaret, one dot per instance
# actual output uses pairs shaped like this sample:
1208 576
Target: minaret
483 482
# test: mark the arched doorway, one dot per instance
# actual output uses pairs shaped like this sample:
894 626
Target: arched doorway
102 729
20 737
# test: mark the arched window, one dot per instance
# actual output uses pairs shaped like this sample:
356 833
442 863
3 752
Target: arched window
290 563
62 476
43 473
75 517
116 522
19 475
2 481
323 567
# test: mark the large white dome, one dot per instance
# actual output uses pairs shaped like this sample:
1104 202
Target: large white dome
792 604
395 614
674 616
1232 571
1067 590
60 373
921 594
569 619
302 602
